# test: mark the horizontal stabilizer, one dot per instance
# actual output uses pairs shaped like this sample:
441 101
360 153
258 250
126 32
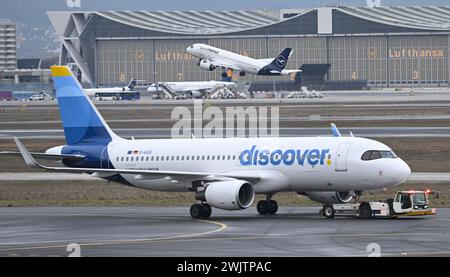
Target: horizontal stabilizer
45 156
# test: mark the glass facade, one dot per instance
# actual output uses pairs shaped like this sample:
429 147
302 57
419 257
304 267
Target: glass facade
381 60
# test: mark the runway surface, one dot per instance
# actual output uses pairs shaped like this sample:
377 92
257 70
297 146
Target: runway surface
285 132
169 231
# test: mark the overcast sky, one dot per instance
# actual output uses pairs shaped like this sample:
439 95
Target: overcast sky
29 11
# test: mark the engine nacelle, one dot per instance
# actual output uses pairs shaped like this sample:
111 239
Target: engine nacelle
206 65
228 195
331 197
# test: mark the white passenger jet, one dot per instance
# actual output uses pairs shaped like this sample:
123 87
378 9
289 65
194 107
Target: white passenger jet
212 57
196 89
224 173
99 92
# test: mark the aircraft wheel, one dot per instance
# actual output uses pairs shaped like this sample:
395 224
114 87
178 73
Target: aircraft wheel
206 211
262 207
242 73
273 207
328 211
223 75
196 211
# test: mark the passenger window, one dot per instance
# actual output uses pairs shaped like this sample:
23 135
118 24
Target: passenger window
132 159
121 159
152 158
127 159
212 157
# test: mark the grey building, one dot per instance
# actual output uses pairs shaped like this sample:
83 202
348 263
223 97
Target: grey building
387 46
8 59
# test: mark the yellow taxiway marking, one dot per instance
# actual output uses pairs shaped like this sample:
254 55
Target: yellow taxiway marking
221 227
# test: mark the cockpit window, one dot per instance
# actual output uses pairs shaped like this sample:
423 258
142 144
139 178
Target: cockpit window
377 154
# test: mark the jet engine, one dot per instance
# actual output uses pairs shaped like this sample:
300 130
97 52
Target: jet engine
331 197
206 65
228 195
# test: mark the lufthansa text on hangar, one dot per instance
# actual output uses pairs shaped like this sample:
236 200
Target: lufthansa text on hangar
387 46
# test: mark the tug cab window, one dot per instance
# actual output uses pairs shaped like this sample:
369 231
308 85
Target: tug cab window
377 154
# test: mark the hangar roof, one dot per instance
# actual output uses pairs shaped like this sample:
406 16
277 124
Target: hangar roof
221 22
193 22
437 18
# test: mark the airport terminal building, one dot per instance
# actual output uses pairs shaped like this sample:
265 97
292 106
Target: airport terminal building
387 46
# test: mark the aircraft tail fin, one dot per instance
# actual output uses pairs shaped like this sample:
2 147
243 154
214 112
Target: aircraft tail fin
81 120
132 84
281 60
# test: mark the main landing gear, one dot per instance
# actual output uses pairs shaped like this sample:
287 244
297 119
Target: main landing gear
201 211
267 207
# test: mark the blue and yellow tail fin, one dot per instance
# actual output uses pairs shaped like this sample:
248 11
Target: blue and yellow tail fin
80 118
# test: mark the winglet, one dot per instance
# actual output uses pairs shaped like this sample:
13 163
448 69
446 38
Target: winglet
29 160
335 130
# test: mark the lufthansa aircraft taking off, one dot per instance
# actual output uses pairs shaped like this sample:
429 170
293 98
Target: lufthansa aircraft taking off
225 173
212 57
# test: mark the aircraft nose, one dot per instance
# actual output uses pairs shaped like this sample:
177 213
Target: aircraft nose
403 171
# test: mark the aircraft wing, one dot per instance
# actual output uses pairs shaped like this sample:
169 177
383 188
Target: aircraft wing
224 64
140 174
289 71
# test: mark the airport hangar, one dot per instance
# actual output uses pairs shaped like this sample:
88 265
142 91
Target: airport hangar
387 46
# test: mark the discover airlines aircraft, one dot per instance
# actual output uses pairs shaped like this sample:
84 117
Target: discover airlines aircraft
212 57
196 89
224 173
